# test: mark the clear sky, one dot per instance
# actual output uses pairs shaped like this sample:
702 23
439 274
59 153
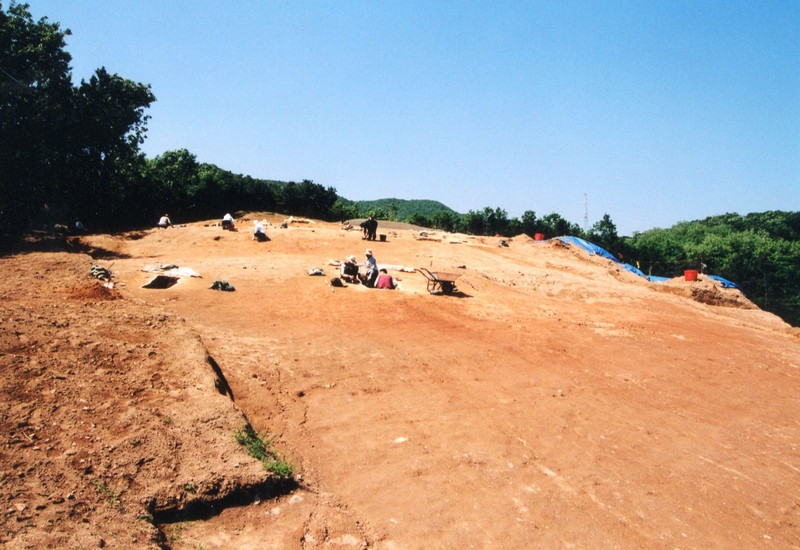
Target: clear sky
657 111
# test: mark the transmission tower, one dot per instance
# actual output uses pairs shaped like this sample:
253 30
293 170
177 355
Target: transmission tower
585 211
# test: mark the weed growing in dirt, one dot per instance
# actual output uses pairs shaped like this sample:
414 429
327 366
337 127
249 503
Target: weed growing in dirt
281 468
259 449
113 498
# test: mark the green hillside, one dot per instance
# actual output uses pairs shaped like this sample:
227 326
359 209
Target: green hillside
401 209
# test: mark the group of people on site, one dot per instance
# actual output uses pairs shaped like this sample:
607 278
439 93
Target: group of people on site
372 276
259 227
228 224
349 269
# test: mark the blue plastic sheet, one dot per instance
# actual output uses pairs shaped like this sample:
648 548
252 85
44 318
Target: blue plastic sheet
725 282
592 248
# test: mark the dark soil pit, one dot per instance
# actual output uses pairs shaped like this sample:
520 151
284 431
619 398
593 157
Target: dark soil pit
160 282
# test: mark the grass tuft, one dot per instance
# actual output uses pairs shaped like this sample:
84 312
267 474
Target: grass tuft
259 449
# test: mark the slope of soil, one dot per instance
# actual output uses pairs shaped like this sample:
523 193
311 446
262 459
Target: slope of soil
554 400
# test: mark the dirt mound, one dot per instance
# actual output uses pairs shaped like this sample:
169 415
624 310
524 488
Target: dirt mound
523 238
707 291
555 400
111 414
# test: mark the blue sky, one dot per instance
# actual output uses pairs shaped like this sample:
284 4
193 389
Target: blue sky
655 111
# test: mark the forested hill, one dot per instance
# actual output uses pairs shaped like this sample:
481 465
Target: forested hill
401 209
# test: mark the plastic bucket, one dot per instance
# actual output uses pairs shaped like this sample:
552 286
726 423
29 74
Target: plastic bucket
382 237
690 275
538 237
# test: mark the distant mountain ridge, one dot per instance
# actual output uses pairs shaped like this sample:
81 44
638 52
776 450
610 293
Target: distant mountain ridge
403 208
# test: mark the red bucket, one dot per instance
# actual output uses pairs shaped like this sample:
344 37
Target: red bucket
690 275
538 237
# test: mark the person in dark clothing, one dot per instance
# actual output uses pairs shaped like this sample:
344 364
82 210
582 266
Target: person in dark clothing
369 228
349 270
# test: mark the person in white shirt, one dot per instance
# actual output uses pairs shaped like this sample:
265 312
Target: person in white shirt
259 234
372 269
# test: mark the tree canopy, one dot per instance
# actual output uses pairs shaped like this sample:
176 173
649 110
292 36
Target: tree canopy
67 149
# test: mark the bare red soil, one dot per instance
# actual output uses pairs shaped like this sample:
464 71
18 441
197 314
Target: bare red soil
554 400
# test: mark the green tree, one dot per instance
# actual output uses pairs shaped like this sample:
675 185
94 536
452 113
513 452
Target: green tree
604 233
378 213
73 149
495 221
474 223
175 179
554 225
35 113
110 127
445 220
529 224
419 219
344 210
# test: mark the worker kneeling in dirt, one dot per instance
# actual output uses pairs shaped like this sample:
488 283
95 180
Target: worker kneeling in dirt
348 270
385 280
227 223
259 234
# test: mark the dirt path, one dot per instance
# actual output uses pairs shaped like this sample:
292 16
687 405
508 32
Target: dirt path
555 401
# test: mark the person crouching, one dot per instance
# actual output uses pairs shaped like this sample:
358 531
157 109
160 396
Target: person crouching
348 270
385 280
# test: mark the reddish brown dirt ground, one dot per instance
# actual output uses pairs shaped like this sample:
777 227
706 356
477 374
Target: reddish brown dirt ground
554 401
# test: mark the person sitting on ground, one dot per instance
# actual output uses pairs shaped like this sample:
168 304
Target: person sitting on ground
259 234
227 223
385 280
348 270
372 269
164 222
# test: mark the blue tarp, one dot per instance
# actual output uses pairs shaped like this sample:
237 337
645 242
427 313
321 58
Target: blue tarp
725 282
592 248
633 269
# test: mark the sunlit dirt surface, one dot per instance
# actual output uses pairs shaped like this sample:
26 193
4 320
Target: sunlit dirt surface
553 401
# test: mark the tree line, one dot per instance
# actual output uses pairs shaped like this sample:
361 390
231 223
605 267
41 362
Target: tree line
72 152
760 252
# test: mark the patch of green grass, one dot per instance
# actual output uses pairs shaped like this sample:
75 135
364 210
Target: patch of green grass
280 467
259 449
250 440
